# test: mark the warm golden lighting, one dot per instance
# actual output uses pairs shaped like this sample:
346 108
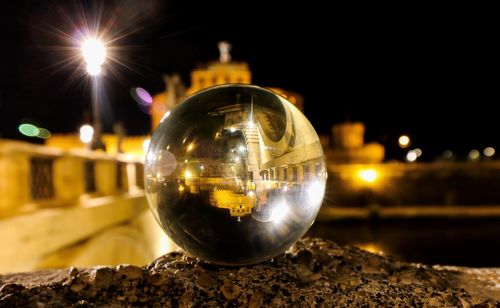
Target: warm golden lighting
181 188
404 141
188 174
190 147
368 175
370 247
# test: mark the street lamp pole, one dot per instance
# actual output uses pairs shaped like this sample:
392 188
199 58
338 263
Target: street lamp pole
94 54
97 143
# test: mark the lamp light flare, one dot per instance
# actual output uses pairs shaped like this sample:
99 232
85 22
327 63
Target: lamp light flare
315 192
279 212
93 51
93 70
94 54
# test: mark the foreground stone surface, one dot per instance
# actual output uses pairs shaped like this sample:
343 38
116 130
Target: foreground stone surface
313 273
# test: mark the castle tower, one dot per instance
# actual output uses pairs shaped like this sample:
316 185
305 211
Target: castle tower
220 72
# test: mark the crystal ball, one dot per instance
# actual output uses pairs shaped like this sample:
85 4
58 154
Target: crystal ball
235 174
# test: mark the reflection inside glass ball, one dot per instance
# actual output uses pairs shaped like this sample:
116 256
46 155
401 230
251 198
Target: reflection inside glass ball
235 174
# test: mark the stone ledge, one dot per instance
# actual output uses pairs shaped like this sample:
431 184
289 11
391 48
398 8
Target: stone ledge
314 272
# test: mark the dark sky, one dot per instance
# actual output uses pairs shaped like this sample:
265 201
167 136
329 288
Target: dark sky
431 72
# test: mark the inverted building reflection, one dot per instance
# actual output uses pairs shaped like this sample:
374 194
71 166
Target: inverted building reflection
255 160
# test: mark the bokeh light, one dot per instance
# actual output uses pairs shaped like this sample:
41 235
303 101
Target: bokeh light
474 154
29 130
404 141
489 151
43 133
86 133
411 156
144 96
448 154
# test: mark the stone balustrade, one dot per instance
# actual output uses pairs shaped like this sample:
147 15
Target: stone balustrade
35 176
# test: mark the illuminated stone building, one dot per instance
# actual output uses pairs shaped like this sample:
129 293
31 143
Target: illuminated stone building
349 146
214 73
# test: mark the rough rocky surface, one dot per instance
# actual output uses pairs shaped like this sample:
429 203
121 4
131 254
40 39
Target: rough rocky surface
313 273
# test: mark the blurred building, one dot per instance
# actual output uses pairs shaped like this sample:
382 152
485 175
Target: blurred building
348 145
224 71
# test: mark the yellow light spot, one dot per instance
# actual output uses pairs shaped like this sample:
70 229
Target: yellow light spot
368 175
404 141
370 247
474 155
190 147
188 174
181 188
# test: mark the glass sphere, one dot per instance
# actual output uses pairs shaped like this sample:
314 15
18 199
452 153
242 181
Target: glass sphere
235 174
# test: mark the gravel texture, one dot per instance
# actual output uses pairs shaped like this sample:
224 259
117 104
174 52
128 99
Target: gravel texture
314 272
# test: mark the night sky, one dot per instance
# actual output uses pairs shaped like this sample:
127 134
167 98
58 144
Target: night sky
429 72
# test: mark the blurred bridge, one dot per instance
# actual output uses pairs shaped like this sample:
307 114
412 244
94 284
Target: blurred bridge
73 207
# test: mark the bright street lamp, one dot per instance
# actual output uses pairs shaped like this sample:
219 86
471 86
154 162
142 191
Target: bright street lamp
94 54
